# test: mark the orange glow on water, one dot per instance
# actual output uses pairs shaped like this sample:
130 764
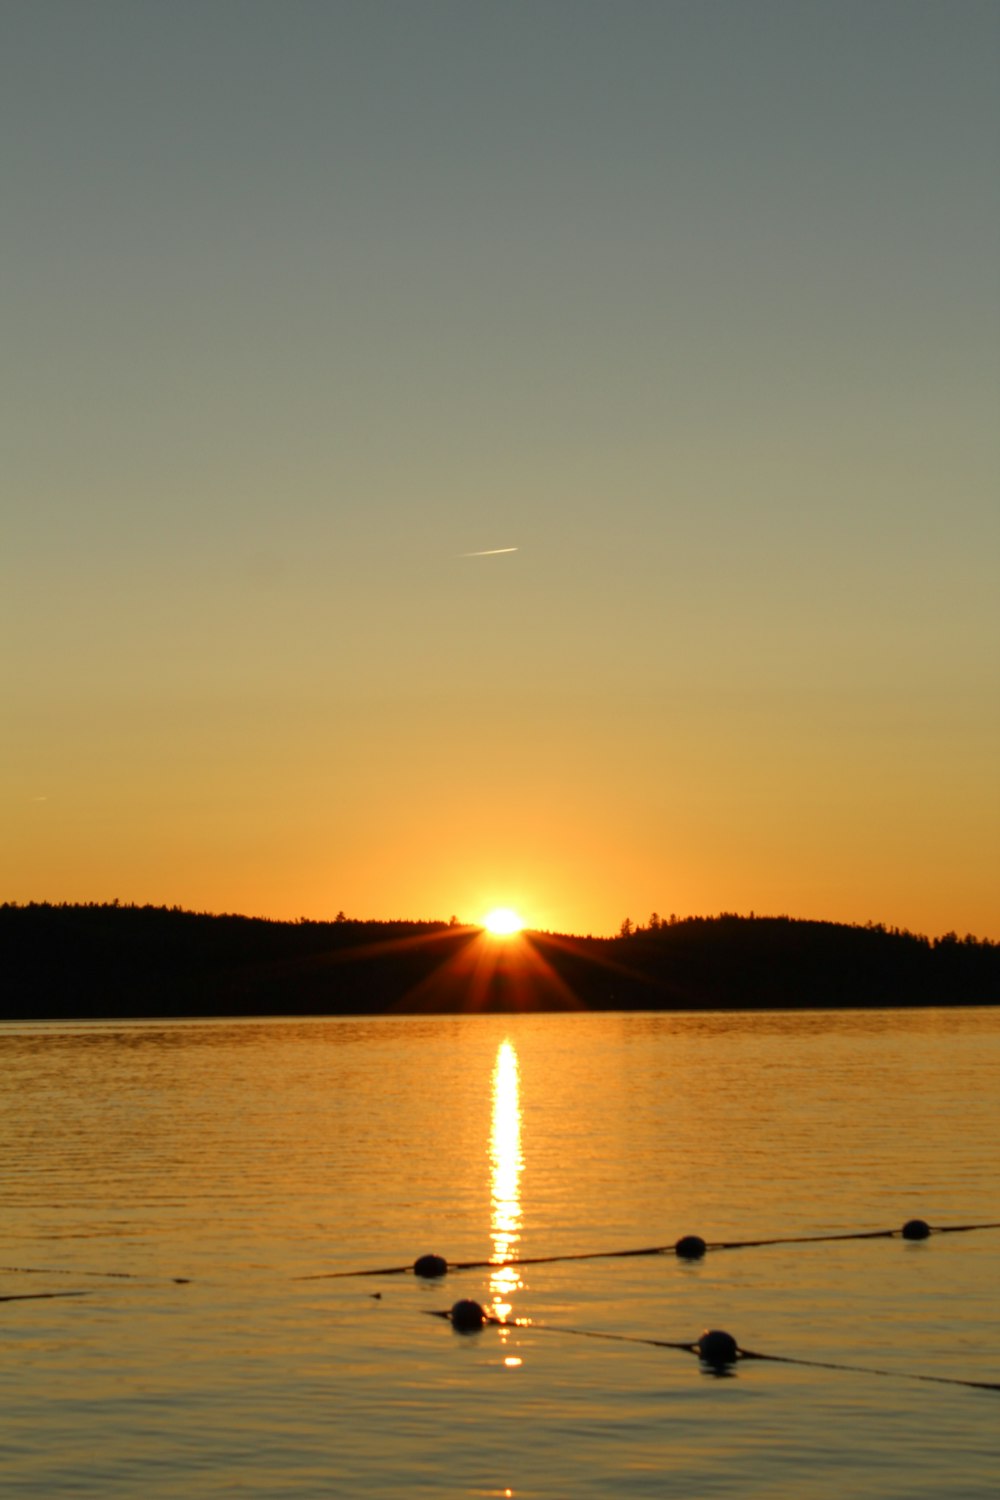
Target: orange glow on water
506 1162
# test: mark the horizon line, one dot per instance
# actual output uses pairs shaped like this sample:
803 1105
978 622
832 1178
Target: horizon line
457 924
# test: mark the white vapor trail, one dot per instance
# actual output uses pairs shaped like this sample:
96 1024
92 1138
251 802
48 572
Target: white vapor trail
489 552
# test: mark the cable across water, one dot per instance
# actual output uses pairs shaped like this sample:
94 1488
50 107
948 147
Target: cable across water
707 1348
689 1247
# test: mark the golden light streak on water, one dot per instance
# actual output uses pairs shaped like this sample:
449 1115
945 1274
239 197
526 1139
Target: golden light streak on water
506 1162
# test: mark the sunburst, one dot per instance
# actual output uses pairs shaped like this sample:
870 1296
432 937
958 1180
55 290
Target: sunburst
502 922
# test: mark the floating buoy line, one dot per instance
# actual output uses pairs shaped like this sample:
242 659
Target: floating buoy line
432 1266
688 1247
717 1350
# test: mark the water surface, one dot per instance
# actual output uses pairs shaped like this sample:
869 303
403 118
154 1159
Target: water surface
215 1164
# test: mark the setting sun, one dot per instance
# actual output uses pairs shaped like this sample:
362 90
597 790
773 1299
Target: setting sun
502 922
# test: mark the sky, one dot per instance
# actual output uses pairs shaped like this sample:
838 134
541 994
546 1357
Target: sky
694 305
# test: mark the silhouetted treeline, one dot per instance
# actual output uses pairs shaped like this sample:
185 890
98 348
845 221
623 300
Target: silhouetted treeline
112 960
780 962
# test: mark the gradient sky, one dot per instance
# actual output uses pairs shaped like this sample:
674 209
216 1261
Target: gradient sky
694 304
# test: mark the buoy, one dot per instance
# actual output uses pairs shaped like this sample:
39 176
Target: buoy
690 1247
430 1266
717 1348
916 1229
467 1316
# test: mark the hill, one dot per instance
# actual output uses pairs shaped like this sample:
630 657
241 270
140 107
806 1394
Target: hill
66 962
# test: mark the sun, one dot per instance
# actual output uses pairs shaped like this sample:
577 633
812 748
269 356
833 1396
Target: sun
502 922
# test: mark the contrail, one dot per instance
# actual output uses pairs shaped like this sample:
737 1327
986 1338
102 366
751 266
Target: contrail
489 552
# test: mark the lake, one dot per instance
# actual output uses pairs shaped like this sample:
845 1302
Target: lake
199 1180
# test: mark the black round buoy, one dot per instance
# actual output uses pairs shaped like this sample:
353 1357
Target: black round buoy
717 1348
430 1265
468 1316
916 1229
690 1247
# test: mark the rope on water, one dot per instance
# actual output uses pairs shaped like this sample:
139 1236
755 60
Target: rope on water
673 1249
704 1348
39 1296
64 1271
688 1247
866 1234
68 1271
822 1364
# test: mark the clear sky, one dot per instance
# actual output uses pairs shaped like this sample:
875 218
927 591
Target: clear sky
696 305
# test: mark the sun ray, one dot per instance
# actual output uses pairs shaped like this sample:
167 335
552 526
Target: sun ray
552 981
494 966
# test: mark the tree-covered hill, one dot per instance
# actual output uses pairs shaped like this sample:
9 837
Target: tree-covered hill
112 960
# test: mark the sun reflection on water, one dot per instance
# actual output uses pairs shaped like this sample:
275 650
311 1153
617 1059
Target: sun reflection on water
506 1162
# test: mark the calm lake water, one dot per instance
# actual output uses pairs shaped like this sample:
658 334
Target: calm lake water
245 1156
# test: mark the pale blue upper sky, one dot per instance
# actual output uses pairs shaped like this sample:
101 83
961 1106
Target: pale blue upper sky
695 304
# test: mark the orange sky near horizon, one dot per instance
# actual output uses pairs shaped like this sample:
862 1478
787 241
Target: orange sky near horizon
686 318
211 815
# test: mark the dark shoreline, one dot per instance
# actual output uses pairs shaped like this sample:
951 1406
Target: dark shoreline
116 962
